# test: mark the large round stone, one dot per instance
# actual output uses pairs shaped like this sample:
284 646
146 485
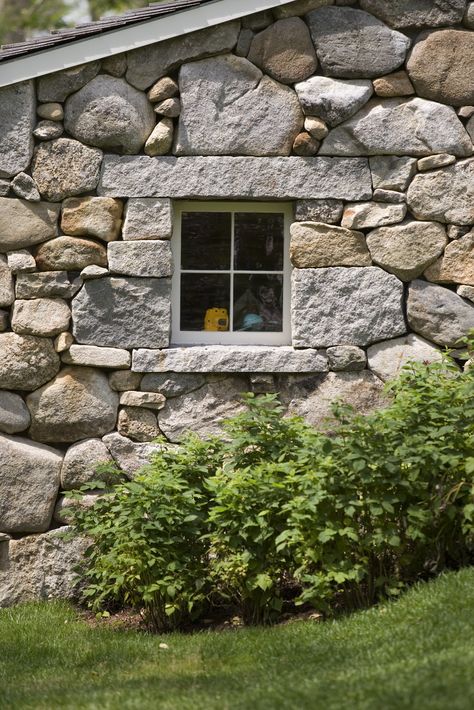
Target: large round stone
64 168
110 114
77 404
14 415
438 314
26 362
81 461
457 263
70 254
445 195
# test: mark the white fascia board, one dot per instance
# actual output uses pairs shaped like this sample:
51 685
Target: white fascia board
112 42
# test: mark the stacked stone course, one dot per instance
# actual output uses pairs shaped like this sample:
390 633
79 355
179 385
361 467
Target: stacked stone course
360 113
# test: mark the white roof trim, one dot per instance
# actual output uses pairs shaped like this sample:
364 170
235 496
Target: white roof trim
111 42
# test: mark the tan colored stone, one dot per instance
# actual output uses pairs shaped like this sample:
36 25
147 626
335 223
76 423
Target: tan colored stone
63 342
26 362
160 140
367 215
149 400
305 145
51 111
171 108
70 254
396 84
138 424
315 245
432 162
64 168
164 88
316 127
23 223
7 293
41 316
457 263
92 217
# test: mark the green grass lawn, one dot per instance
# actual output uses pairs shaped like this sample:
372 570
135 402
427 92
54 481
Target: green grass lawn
417 653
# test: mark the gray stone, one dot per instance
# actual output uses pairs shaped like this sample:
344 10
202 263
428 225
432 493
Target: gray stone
236 178
26 362
17 119
431 162
130 456
4 321
392 173
81 462
470 128
124 380
76 405
316 127
315 245
346 357
66 506
14 414
116 65
110 114
21 262
93 356
305 145
52 284
438 314
353 44
123 313
468 19
92 217
244 42
58 86
64 168
366 215
220 358
396 84
148 400
299 7
466 292
63 342
51 111
42 316
24 186
140 258
28 486
138 424
148 64
23 223
327 211
466 111
456 265
390 196
407 249
337 306
441 67
48 130
333 100
445 195
263 384
171 108
229 108
148 218
160 141
70 254
93 272
412 127
416 13
387 359
7 293
284 51
171 385
4 187
455 231
165 88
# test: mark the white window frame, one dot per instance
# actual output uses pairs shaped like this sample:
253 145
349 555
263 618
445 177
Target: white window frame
183 337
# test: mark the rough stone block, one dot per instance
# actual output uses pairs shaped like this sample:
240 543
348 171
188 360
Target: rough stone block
406 14
65 168
26 362
51 284
171 385
326 211
130 456
93 356
138 424
21 261
333 100
80 464
7 292
92 217
148 218
456 265
438 314
392 173
42 316
387 359
140 258
14 414
17 119
367 215
346 357
23 223
445 195
316 245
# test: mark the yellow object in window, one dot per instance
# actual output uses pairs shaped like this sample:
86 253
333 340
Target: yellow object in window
217 319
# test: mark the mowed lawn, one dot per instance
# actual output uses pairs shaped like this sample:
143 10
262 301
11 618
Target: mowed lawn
417 653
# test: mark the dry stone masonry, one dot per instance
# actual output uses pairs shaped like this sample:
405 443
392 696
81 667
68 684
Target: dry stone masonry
358 113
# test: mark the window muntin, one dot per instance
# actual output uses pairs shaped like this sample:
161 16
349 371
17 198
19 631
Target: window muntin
231 281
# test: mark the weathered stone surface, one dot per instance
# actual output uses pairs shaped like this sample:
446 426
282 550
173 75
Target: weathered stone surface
23 224
76 405
17 119
70 254
365 215
346 357
171 385
26 362
148 400
93 272
390 196
138 424
305 145
148 218
4 187
314 245
14 414
407 249
64 168
285 51
116 65
124 380
110 114
164 88
66 506
229 108
58 86
92 217
239 178
466 292
93 356
48 130
160 140
390 172
203 410
455 231
456 265
80 464
438 314
51 111
51 284
338 306
470 128
316 127
446 195
416 13
42 316
28 486
413 127
333 100
171 108
353 44
140 258
7 293
431 162
4 321
466 111
41 567
327 211
441 66
244 42
387 359
220 358
24 187
123 313
299 7
468 19
63 342
396 84
128 455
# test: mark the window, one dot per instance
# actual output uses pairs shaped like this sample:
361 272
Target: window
231 282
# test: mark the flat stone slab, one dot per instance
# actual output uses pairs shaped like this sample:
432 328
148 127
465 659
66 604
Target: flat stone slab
93 356
220 358
225 177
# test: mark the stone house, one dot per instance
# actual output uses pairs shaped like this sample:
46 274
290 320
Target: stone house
212 197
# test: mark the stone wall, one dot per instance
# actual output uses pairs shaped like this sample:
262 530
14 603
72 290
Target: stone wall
359 113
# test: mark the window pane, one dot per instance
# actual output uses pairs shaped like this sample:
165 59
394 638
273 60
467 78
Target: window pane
201 293
258 242
258 303
206 240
